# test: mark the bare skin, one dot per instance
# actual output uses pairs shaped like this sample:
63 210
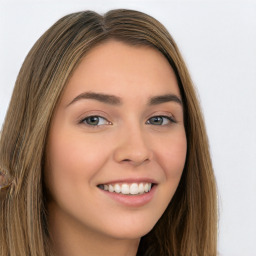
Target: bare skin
119 122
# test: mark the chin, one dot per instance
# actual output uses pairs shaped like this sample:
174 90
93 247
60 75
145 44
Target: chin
131 230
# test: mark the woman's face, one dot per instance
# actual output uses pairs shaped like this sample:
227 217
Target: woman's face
118 126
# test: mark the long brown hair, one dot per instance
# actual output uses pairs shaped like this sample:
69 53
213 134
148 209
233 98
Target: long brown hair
189 225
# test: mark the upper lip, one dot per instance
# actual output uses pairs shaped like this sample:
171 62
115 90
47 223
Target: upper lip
130 180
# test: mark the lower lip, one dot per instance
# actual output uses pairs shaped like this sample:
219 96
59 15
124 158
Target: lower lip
132 200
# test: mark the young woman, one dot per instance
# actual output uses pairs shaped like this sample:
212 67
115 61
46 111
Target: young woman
104 149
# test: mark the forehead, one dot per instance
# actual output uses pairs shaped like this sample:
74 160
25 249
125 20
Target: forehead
121 69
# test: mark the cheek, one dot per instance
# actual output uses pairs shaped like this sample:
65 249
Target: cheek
172 155
72 159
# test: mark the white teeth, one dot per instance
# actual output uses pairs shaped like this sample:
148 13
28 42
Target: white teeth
134 189
126 189
117 188
110 188
141 188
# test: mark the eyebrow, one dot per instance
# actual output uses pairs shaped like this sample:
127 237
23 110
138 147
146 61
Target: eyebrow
105 98
165 98
115 100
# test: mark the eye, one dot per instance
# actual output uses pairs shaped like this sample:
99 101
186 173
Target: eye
160 120
95 121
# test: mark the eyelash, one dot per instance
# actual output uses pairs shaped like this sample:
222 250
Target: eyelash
84 121
169 118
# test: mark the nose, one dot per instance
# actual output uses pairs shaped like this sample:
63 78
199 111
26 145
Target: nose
132 147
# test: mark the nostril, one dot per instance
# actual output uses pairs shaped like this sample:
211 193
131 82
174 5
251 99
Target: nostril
131 155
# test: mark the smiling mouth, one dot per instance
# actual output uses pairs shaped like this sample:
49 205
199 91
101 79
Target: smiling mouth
127 189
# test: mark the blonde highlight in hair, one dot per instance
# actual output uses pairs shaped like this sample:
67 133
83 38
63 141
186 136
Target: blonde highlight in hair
187 227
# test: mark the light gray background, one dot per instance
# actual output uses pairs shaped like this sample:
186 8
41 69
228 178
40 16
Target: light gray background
218 42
